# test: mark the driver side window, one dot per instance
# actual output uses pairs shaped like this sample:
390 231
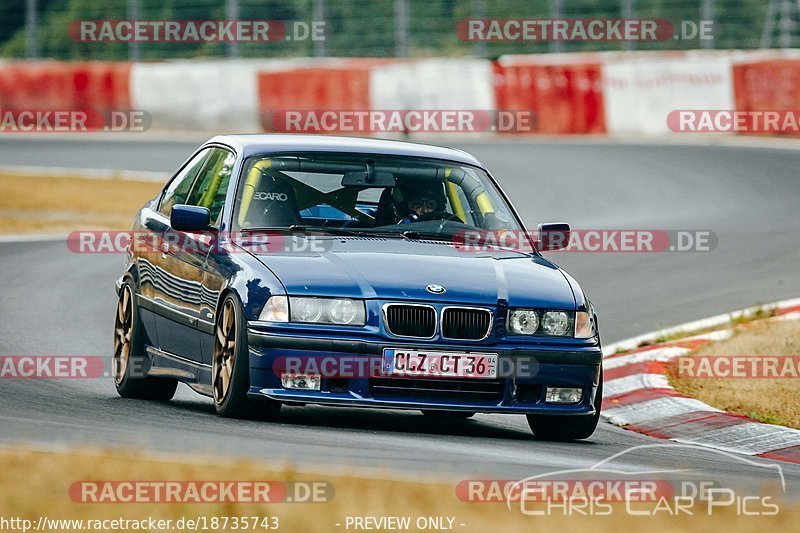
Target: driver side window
178 189
211 187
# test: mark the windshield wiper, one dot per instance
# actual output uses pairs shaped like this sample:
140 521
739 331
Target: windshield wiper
426 235
409 235
296 228
348 232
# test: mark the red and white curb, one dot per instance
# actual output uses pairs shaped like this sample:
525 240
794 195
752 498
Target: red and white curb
638 396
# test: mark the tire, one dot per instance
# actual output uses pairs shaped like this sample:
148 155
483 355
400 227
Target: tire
130 362
448 415
230 368
565 428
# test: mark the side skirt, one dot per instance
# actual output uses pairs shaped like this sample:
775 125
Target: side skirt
168 365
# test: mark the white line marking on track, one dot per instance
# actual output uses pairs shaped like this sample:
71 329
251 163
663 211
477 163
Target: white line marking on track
615 387
637 413
87 173
751 438
32 238
658 354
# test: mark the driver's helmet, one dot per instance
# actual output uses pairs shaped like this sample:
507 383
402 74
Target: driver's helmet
416 198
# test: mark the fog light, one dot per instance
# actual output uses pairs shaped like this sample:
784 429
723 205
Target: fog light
301 381
563 395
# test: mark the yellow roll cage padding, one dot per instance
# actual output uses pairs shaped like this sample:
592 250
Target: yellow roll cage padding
207 200
483 200
452 195
250 185
484 203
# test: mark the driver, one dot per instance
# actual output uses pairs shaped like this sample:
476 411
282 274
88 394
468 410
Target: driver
416 202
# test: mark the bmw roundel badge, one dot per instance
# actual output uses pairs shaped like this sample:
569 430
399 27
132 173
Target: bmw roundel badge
435 289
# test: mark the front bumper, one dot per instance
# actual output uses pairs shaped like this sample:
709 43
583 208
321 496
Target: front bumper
519 388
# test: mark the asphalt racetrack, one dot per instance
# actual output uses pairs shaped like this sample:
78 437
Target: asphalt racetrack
57 302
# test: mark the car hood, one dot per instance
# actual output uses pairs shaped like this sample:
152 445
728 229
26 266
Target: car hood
396 269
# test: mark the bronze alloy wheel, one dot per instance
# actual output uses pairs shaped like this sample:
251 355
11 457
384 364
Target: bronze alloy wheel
230 368
130 364
225 344
123 331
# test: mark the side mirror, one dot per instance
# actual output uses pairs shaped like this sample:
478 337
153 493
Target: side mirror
552 236
189 218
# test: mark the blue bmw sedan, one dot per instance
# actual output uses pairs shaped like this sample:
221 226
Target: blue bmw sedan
289 270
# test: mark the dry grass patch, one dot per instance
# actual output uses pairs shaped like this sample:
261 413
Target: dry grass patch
36 483
61 204
775 401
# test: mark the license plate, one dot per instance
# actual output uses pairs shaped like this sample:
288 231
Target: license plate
416 363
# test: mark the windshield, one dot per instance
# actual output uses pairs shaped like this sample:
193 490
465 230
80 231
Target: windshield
368 194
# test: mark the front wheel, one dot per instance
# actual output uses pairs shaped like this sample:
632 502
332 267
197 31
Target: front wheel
230 368
562 428
129 360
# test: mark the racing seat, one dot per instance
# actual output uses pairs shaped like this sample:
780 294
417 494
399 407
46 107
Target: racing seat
386 212
274 204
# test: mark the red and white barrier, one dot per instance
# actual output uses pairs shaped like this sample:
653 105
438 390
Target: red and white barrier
767 84
96 87
575 94
333 85
203 95
641 90
564 91
433 84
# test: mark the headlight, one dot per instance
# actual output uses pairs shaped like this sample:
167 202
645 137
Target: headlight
340 311
555 323
345 311
275 310
307 309
542 322
584 325
523 321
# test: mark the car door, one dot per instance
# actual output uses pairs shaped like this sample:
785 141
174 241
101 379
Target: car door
168 290
184 260
155 221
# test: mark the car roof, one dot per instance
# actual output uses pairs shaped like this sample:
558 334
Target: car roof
253 144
